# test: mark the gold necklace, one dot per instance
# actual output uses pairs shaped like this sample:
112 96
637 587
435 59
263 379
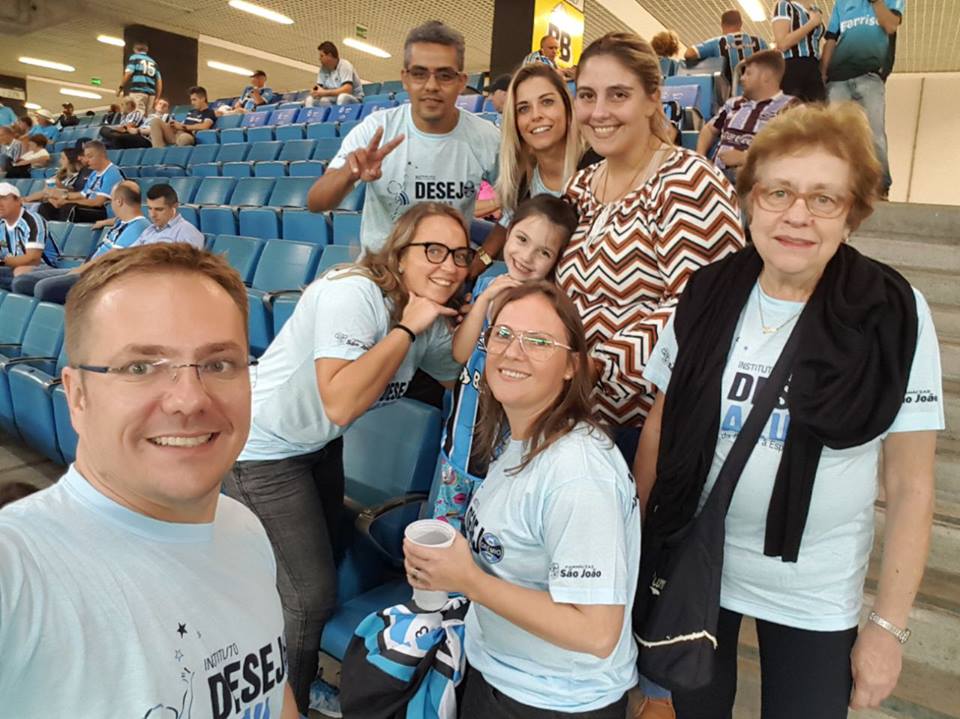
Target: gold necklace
767 330
644 169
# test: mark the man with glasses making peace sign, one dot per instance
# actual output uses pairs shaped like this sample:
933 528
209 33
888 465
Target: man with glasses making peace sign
427 150
133 566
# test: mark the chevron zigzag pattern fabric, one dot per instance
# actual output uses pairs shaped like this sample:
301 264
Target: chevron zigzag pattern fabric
626 273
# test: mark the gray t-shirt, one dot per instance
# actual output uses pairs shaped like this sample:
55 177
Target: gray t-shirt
444 168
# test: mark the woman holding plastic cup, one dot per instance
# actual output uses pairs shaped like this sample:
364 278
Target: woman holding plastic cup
550 562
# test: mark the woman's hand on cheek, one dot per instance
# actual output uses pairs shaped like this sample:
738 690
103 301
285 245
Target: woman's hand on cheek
451 569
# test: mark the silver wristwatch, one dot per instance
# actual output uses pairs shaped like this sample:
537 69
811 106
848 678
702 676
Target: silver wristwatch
902 635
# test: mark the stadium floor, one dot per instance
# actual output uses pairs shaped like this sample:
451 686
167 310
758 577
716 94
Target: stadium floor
19 463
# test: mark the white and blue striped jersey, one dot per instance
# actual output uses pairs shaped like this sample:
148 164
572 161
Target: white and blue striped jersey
145 73
29 232
798 16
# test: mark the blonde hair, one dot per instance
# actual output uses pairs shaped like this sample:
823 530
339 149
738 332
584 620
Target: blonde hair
638 57
164 257
841 130
383 266
572 406
517 162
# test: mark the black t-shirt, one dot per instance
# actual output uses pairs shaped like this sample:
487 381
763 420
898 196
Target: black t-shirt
195 117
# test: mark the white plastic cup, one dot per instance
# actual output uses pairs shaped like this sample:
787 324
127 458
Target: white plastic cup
437 535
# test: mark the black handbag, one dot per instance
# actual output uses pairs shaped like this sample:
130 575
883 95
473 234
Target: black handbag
678 601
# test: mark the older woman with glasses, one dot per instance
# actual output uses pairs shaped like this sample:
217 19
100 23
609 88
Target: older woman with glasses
864 382
353 343
552 535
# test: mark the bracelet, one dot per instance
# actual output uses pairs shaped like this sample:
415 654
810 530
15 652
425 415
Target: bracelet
404 328
902 635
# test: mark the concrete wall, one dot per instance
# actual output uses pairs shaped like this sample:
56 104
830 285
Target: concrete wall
923 120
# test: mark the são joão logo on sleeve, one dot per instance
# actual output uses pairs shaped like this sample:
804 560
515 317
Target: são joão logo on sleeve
484 543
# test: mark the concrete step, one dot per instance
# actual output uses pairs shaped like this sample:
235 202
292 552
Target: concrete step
946 318
939 288
947 475
909 250
944 553
931 221
950 358
951 396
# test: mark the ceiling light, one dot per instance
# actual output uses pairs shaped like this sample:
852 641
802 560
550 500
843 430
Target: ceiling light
47 63
260 11
31 106
365 47
110 40
229 68
754 10
80 93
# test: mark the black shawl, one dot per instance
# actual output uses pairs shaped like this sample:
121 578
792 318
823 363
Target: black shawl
858 334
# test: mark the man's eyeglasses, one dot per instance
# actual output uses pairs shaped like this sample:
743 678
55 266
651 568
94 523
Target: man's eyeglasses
420 75
437 252
538 346
820 204
149 373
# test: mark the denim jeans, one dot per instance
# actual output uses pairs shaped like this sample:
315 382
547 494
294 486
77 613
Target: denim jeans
56 282
299 501
869 92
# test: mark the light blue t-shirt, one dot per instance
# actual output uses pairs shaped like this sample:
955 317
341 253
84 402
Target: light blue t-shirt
536 188
568 524
338 318
823 589
862 45
7 116
445 168
100 184
120 236
105 612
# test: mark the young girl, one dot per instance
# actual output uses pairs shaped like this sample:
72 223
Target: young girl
540 230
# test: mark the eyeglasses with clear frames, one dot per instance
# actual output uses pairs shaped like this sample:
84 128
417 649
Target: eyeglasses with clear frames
437 253
152 372
538 346
820 204
420 75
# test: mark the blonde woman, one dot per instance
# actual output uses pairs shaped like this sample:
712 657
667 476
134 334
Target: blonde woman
540 147
353 343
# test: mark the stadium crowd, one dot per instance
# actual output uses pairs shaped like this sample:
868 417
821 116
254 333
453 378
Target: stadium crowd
613 528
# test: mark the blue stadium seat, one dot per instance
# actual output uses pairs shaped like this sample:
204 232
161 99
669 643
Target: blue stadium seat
191 215
479 229
205 169
264 151
283 265
290 192
381 464
114 156
372 107
79 245
402 97
233 152
237 169
378 98
255 119
252 192
228 122
344 113
494 117
261 222
203 154
175 161
470 103
327 148
260 134
703 96
131 157
354 201
270 169
370 88
346 127
207 137
391 86
232 135
153 156
15 315
285 133
283 306
308 168
31 390
296 150
268 108
475 81
321 131
284 116
185 187
306 226
214 191
309 115
66 435
689 138
488 105
346 228
40 347
59 230
242 253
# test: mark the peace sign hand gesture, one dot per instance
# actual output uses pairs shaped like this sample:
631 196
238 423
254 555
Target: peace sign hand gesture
367 162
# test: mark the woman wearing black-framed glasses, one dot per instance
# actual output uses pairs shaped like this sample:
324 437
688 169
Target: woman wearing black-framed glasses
353 343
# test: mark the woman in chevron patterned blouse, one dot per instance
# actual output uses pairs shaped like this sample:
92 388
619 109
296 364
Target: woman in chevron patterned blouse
650 215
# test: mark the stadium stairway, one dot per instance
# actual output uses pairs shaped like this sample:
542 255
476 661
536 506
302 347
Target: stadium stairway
923 243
